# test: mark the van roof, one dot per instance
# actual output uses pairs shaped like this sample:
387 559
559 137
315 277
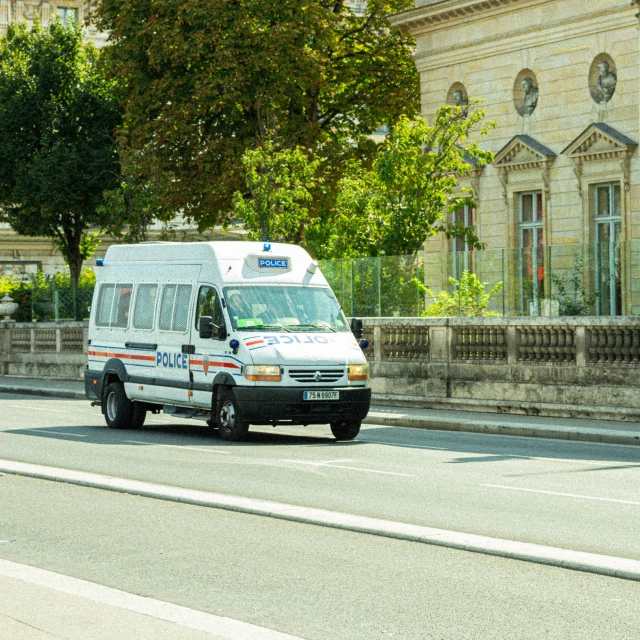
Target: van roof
228 259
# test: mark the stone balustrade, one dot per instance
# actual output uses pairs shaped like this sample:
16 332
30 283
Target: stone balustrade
44 349
544 366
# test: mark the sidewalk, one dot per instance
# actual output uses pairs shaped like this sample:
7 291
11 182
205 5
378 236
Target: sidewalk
595 430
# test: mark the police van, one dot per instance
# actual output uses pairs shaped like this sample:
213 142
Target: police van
234 333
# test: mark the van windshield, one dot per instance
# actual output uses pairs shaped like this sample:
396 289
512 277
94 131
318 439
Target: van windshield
284 308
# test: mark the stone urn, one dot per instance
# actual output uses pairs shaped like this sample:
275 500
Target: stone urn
7 307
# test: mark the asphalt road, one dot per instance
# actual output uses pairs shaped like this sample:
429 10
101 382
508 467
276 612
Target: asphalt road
307 581
578 496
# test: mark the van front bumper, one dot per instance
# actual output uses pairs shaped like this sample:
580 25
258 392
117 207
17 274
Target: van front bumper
265 405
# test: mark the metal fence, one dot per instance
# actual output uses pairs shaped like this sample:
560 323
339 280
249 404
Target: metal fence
558 280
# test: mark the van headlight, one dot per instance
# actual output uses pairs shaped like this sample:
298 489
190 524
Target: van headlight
358 372
262 372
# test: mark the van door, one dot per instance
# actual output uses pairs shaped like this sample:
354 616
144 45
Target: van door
172 384
212 356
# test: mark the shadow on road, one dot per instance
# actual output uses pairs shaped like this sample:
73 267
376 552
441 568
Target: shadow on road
498 448
175 435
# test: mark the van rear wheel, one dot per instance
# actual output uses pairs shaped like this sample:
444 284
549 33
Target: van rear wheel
119 411
345 429
230 424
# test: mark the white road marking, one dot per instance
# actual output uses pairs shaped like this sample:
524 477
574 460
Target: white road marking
63 433
339 466
177 446
408 446
564 495
30 408
216 625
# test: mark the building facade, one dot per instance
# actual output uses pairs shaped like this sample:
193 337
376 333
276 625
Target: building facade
560 205
45 12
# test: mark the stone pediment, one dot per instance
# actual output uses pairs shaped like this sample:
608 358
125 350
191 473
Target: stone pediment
523 152
599 141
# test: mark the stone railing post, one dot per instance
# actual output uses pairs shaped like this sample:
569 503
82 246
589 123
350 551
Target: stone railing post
58 340
512 344
5 345
440 347
377 343
32 336
85 340
581 346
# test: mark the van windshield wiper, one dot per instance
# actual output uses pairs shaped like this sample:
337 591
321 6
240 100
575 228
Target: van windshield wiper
324 325
274 326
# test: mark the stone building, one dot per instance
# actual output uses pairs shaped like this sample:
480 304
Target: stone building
561 79
78 10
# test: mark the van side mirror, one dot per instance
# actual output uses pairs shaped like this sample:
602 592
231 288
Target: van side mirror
206 327
209 330
356 327
220 332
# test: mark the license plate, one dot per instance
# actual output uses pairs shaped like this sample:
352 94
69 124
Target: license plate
320 395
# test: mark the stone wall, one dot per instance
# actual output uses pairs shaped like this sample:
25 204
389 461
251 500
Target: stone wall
49 350
571 367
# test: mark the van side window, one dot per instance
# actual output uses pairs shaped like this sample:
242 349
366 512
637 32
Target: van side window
174 307
209 305
145 305
114 302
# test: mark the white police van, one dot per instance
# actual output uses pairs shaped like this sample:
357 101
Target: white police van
235 333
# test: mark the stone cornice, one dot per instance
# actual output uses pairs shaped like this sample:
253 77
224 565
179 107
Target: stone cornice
426 15
589 24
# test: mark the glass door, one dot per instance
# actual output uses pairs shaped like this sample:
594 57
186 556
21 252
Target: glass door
462 252
531 253
608 221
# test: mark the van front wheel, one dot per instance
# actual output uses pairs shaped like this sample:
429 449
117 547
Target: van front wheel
345 429
230 424
119 411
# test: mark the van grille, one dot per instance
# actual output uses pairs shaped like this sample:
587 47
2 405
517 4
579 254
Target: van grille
308 376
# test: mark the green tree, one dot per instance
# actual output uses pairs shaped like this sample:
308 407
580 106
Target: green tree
57 152
392 208
194 78
275 203
468 298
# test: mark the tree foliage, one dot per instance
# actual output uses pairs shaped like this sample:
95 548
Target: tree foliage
392 208
194 78
277 193
57 153
469 297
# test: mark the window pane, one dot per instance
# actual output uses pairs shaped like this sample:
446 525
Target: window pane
603 232
145 305
458 216
209 305
527 238
181 309
602 200
526 205
122 305
166 307
105 300
470 217
616 200
539 207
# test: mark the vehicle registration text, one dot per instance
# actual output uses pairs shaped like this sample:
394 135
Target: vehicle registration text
320 395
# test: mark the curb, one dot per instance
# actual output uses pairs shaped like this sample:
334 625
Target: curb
539 554
576 434
48 393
